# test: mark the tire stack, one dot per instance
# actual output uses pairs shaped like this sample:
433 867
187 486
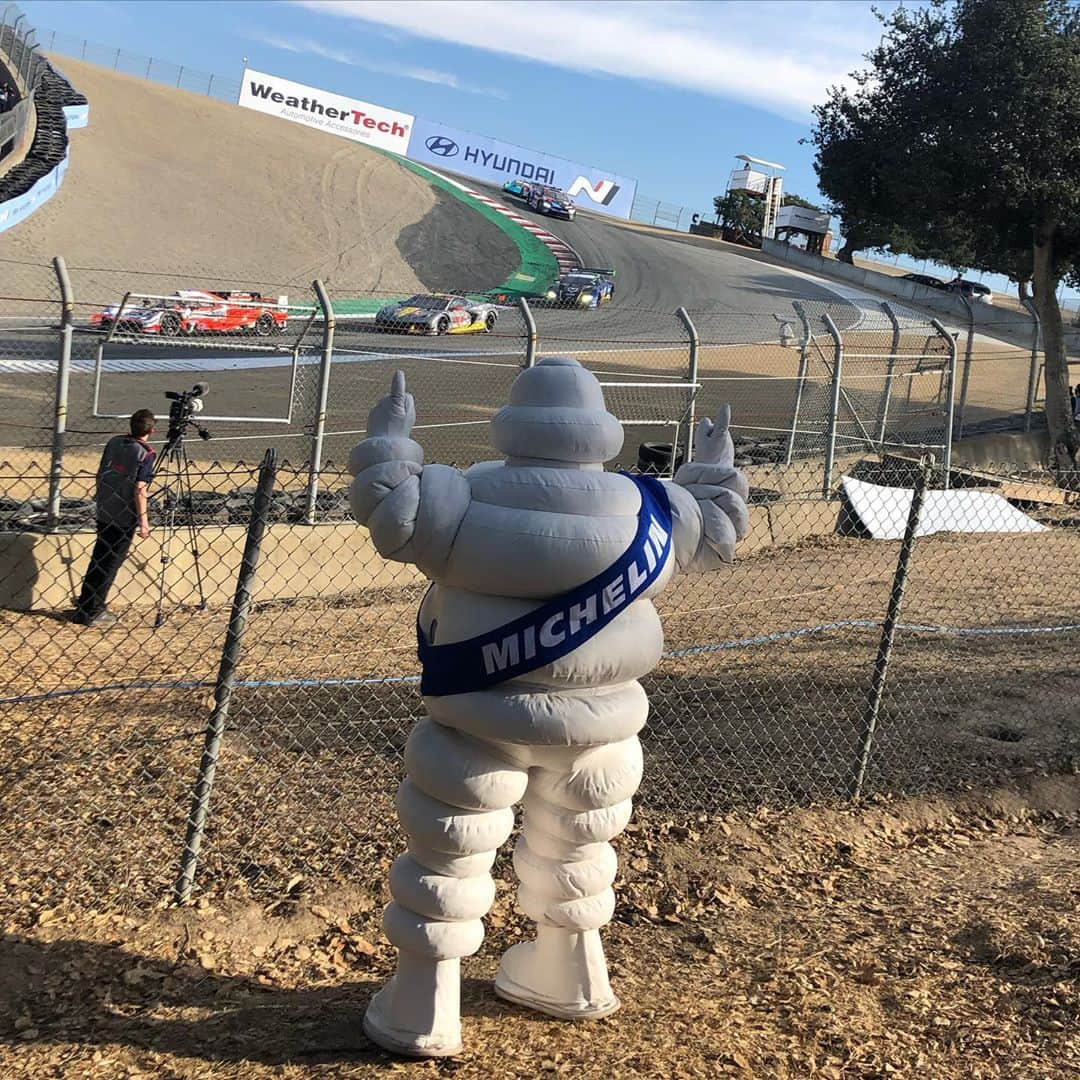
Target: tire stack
52 93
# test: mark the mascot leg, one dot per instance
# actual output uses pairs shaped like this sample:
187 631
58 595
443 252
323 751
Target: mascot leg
577 800
456 807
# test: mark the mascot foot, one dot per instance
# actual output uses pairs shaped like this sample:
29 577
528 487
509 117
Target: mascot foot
417 1013
562 973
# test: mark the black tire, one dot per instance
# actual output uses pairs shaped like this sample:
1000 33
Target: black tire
170 324
264 324
489 321
442 326
655 459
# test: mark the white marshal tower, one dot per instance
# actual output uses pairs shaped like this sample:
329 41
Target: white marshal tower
760 178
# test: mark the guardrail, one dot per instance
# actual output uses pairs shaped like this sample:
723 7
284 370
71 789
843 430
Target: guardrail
37 107
20 69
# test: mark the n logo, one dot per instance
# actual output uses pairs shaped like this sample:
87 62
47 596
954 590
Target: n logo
601 193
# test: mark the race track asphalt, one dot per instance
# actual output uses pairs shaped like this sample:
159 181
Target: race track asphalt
732 299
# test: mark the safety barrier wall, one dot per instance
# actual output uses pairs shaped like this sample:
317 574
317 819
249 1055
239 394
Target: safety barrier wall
22 206
33 135
1004 321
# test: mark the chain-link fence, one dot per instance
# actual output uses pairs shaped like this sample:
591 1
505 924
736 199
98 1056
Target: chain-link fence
773 683
771 687
820 380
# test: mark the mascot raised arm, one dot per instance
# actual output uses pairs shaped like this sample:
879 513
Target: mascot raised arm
536 629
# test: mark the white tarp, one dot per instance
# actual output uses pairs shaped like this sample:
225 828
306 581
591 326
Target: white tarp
350 118
883 511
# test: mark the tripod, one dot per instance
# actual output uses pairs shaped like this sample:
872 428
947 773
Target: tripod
174 469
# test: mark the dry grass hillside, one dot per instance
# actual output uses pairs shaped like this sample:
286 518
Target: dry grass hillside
168 181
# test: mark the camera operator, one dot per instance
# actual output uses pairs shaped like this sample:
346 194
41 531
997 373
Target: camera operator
125 471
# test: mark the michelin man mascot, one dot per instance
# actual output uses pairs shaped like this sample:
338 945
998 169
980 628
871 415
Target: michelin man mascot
533 636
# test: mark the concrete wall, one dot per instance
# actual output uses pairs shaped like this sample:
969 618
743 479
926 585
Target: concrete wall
44 571
995 320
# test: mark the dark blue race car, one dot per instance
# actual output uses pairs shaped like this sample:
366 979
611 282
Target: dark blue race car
585 287
549 200
542 198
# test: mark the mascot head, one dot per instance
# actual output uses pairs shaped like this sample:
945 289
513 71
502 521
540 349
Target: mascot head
556 414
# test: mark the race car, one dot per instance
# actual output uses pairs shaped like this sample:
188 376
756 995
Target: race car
549 200
518 188
197 311
437 313
585 287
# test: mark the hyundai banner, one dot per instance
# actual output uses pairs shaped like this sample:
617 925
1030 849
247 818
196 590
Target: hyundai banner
323 109
496 162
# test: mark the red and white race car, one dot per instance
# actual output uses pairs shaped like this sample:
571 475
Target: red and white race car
196 311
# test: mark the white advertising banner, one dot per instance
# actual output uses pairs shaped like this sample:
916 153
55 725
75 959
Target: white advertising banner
352 119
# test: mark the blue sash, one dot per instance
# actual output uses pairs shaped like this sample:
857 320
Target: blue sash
558 626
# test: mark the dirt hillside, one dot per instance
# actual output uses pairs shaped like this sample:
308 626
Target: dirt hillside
168 181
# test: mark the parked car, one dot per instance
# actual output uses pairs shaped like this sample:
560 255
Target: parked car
973 290
925 279
437 313
197 311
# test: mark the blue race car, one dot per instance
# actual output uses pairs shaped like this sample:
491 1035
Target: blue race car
585 287
518 188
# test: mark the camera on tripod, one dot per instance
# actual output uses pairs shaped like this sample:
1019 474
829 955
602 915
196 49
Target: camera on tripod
182 411
173 472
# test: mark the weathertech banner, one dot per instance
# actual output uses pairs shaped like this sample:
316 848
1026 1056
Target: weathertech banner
496 162
358 120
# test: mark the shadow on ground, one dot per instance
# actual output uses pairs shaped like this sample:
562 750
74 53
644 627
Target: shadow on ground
76 992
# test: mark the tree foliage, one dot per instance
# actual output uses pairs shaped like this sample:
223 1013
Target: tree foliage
961 143
740 212
789 198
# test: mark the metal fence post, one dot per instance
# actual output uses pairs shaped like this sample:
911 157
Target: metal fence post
888 629
320 406
890 366
63 375
965 378
530 331
950 405
1033 369
226 679
800 384
691 377
834 405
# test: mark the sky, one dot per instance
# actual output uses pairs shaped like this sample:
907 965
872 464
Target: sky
667 92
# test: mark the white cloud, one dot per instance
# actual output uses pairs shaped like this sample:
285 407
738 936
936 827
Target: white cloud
780 56
343 56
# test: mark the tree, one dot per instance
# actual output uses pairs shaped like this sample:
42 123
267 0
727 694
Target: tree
856 141
961 143
791 199
740 212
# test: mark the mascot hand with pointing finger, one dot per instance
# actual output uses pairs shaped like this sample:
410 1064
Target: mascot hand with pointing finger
532 638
